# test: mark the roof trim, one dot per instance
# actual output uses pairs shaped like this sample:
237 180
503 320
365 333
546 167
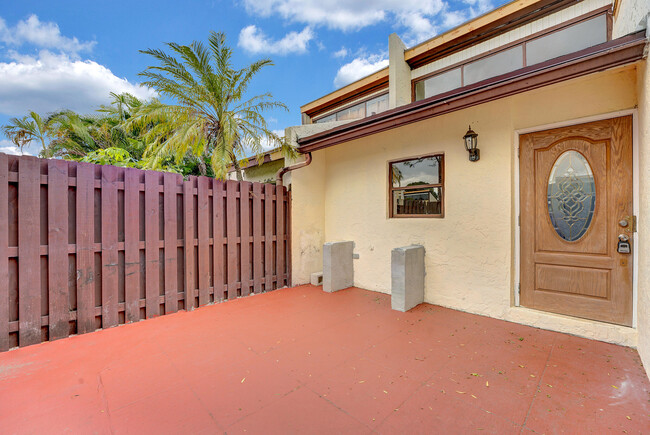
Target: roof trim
614 53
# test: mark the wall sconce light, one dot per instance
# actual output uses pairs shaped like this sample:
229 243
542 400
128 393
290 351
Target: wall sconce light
471 143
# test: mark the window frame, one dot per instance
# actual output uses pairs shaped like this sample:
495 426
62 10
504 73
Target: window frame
334 111
440 185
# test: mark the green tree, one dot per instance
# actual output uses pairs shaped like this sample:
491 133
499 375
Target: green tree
212 117
22 131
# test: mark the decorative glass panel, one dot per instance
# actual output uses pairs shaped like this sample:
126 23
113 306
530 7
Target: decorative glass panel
571 195
417 201
416 172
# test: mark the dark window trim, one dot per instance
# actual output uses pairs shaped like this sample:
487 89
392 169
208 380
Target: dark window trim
352 104
604 10
441 185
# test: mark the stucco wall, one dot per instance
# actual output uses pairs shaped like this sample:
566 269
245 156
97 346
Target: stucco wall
643 236
469 253
632 16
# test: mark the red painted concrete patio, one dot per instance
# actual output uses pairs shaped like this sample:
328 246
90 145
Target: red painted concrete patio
303 361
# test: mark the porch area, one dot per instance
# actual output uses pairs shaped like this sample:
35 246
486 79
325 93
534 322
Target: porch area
299 360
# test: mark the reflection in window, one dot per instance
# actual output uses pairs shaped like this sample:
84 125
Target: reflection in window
416 187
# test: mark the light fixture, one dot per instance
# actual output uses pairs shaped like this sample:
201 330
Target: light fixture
471 143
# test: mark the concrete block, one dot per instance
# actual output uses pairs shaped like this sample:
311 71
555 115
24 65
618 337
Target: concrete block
407 277
338 272
317 278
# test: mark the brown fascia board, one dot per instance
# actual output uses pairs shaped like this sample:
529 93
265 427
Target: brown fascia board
614 53
470 34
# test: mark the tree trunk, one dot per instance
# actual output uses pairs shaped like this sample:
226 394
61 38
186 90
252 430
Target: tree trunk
235 164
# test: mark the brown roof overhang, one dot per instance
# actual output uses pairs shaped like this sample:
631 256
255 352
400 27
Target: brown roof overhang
621 51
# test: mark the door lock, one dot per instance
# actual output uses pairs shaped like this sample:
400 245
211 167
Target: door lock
623 246
629 223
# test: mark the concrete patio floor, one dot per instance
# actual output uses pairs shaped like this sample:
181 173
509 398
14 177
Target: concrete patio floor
300 360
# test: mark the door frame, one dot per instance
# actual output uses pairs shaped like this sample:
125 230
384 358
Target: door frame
635 196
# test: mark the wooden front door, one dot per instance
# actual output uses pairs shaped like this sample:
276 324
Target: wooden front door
576 191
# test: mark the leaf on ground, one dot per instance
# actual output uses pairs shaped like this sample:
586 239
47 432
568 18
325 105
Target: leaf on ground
460 392
487 384
473 396
361 382
628 417
385 392
614 386
522 366
532 376
474 374
242 381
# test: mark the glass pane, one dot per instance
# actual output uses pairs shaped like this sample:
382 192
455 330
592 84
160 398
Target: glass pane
582 35
417 201
571 195
354 112
438 84
327 118
492 66
377 105
425 170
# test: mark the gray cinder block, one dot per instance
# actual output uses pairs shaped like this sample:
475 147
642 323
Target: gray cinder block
338 272
317 278
407 277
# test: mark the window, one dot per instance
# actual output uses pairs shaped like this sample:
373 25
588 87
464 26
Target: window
361 110
416 187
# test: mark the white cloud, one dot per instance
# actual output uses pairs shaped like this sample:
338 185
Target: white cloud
253 40
359 68
341 53
50 82
42 35
421 19
7 147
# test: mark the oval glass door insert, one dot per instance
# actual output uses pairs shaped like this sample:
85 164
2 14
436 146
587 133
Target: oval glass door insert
571 196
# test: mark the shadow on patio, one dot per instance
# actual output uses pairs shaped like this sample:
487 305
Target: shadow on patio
301 360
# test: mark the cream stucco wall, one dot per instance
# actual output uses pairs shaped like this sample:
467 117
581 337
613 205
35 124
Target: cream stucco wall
469 253
643 236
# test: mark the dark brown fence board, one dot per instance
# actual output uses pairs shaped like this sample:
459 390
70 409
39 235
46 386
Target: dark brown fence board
244 219
171 182
152 242
203 220
132 244
4 260
218 236
85 247
57 241
29 259
258 234
127 245
231 222
268 236
279 244
109 247
188 247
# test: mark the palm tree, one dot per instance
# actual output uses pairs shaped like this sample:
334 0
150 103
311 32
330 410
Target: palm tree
22 131
211 117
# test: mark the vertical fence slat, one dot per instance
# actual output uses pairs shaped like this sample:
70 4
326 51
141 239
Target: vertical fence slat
279 244
109 247
244 219
29 261
57 242
132 245
258 255
4 260
152 243
188 234
218 235
268 236
171 181
85 247
231 230
288 247
203 221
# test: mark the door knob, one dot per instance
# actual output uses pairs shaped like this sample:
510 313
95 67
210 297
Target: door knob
623 223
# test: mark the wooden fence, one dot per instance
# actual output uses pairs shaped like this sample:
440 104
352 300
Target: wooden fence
84 246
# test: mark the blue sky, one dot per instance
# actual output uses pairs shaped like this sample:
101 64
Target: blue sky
70 54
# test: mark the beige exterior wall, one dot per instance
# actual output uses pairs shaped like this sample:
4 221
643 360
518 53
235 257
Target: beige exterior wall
643 236
469 253
632 16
